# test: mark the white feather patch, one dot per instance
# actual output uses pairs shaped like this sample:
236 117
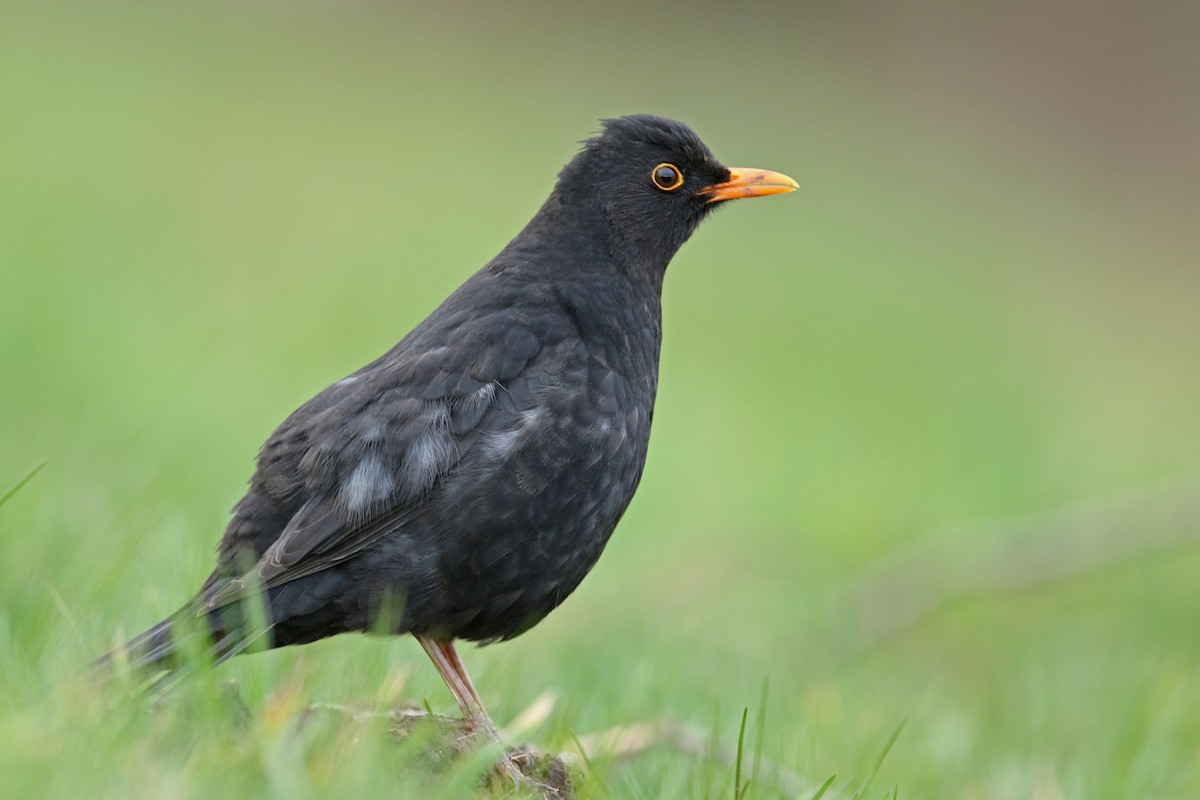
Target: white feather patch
369 483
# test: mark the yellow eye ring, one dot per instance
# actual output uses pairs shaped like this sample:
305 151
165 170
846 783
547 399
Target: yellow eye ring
667 177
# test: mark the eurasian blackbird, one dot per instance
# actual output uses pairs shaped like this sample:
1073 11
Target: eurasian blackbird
461 485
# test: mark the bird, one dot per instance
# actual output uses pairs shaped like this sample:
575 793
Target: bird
461 485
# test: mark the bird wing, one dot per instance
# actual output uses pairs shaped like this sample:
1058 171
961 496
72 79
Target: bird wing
373 446
315 539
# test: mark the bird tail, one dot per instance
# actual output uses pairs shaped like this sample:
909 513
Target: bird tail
153 648
188 636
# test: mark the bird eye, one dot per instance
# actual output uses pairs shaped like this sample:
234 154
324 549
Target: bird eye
667 177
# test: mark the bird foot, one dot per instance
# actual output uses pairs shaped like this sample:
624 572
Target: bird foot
520 771
517 764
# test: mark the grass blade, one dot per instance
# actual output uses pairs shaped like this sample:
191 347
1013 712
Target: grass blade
17 487
739 791
825 787
887 748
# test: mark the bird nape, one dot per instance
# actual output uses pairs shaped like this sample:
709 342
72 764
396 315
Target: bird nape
461 485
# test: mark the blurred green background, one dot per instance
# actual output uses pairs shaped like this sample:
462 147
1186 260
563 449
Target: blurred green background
928 439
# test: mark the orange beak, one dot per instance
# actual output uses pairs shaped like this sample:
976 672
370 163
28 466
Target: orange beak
749 183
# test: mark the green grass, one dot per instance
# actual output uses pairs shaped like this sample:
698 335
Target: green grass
208 215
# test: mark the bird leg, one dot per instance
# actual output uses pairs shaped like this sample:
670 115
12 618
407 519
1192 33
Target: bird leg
443 655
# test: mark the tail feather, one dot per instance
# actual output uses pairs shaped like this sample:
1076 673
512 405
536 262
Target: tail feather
221 634
155 647
299 611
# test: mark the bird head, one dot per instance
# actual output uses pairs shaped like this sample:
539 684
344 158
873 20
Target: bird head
653 181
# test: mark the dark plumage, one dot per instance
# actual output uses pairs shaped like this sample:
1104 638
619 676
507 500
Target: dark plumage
462 485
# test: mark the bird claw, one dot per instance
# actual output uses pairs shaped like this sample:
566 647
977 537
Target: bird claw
513 765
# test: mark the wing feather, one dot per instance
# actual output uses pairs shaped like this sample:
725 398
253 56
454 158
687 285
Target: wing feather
374 449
